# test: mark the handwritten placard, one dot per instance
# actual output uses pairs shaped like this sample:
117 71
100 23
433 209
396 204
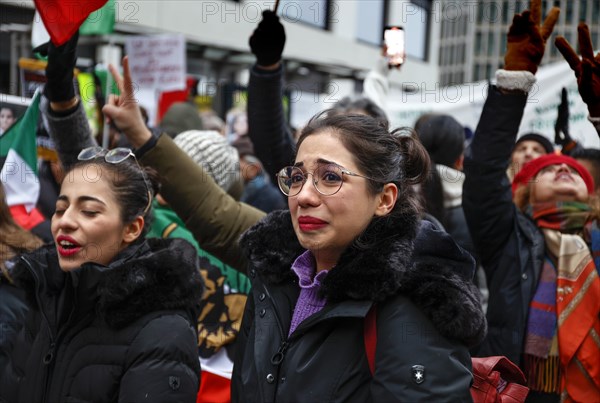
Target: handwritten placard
157 62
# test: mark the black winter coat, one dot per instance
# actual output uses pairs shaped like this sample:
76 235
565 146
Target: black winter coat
509 244
427 314
122 333
267 125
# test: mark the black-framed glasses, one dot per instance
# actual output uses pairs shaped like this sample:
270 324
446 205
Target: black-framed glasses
115 156
327 179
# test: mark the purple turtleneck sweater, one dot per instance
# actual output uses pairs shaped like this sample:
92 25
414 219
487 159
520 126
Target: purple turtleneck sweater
309 301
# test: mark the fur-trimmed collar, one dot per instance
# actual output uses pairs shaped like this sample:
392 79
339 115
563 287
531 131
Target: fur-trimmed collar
387 259
153 275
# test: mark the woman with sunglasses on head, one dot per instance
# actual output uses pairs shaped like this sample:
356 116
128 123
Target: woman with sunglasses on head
112 316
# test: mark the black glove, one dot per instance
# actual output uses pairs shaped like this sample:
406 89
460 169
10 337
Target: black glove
561 128
268 40
59 72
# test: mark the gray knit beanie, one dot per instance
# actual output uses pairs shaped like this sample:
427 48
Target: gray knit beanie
211 151
180 117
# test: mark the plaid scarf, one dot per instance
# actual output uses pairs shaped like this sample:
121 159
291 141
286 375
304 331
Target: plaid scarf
564 314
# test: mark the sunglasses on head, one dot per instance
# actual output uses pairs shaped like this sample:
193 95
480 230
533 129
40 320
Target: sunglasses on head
115 156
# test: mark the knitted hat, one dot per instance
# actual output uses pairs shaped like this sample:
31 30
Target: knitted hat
531 169
181 117
443 138
211 151
538 138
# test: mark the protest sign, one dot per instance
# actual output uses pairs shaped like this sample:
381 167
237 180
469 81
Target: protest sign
157 62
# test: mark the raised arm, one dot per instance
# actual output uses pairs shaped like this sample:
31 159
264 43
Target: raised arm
66 120
267 126
487 196
215 219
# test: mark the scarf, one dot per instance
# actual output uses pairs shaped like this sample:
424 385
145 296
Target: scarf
570 277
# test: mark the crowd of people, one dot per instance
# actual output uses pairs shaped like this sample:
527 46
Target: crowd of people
270 257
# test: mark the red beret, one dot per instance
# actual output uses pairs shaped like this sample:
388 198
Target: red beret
531 169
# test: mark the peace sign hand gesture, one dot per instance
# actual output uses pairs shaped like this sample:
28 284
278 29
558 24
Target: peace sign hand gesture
526 40
587 70
123 110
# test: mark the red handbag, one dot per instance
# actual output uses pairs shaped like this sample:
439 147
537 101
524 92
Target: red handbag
497 379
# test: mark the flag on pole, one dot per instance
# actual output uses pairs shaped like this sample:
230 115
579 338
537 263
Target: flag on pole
101 21
63 17
18 159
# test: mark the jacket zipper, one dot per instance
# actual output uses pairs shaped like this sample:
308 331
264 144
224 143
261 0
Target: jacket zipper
48 359
278 357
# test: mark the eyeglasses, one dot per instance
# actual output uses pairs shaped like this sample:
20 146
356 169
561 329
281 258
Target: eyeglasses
115 156
327 179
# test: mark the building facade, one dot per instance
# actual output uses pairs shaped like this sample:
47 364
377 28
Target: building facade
331 44
473 34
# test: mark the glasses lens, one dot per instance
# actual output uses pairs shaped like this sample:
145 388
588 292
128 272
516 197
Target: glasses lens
290 180
90 153
118 155
328 179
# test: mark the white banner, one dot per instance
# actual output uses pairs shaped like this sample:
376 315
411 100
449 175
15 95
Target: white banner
465 102
157 62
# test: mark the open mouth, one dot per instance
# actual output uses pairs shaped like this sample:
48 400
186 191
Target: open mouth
564 177
66 246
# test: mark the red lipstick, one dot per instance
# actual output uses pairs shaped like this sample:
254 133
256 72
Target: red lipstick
308 223
67 246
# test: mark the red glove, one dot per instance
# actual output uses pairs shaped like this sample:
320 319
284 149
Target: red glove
526 40
587 70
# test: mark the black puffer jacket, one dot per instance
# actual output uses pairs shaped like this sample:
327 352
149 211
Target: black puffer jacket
427 314
509 244
121 333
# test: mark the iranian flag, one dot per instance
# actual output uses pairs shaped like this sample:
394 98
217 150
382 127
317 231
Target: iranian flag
62 18
18 158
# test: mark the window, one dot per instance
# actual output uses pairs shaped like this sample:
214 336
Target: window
477 73
490 49
582 11
370 21
311 12
458 78
569 13
478 43
480 12
464 24
505 12
595 12
544 8
488 71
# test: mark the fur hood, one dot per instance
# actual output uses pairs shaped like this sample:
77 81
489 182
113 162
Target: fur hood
151 275
393 256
